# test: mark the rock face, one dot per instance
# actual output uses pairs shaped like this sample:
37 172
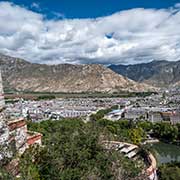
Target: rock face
155 73
25 76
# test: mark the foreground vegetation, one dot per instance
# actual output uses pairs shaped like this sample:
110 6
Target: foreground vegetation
72 150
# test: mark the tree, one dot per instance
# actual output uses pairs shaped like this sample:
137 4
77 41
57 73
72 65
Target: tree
170 171
145 125
136 135
165 131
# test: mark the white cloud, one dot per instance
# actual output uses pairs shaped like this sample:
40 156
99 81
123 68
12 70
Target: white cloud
177 5
35 5
58 15
132 36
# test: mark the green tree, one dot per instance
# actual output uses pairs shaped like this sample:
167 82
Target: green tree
136 135
165 131
170 171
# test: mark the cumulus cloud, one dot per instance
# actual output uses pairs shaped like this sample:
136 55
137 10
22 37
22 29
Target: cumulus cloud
131 36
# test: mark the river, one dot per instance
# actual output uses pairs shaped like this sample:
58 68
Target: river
166 153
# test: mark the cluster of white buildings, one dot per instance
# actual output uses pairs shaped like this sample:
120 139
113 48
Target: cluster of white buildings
153 109
153 114
59 108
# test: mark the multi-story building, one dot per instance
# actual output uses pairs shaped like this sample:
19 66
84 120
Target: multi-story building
14 135
22 138
155 116
135 113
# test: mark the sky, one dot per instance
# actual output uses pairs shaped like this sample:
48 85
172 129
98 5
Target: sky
90 31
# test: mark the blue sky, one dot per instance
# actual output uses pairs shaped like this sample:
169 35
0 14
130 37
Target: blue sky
91 8
90 31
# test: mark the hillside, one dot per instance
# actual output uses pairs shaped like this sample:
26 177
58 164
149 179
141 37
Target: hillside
156 73
21 75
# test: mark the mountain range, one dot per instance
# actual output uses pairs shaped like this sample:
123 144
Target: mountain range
163 73
22 75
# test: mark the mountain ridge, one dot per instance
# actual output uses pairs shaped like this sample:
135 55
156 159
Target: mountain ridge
156 73
25 76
